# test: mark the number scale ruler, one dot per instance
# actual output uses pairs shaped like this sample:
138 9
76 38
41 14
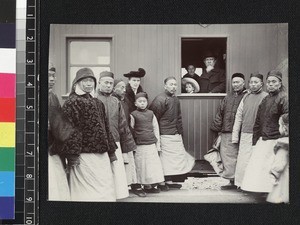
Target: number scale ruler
26 182
31 116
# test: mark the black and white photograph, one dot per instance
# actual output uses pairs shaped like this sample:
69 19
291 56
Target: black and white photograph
189 113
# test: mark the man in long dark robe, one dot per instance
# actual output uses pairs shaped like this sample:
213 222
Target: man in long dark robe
175 160
223 123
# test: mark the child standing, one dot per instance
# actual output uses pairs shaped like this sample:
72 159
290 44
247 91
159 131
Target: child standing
280 167
146 134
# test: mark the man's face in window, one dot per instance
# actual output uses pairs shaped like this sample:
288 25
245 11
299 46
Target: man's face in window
210 61
191 69
134 82
106 84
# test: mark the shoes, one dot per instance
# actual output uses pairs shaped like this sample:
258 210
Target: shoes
152 190
239 189
172 185
139 192
163 187
229 186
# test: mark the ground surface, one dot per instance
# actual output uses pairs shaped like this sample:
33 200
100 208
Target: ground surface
199 190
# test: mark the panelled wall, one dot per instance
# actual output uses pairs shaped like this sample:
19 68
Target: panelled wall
157 49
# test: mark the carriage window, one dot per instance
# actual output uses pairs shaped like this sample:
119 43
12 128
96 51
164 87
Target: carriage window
203 65
92 53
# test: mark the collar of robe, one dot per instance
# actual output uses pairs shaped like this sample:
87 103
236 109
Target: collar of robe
169 94
257 91
103 93
240 91
274 93
141 110
118 97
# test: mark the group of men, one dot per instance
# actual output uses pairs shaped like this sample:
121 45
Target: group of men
91 138
238 122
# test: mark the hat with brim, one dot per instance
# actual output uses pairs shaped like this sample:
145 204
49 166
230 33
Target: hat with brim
209 54
191 81
140 73
84 73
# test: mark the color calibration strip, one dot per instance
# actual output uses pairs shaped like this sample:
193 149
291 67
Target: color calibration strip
7 117
31 118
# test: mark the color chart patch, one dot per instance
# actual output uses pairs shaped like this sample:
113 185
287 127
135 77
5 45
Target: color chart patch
7 119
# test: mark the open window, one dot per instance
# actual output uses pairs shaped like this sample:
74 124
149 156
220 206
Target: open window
94 53
193 53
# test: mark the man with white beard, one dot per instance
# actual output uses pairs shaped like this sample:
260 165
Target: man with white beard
212 80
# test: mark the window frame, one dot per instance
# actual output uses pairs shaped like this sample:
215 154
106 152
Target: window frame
226 69
109 38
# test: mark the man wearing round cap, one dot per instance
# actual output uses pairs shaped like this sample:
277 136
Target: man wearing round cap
119 92
120 130
175 160
243 125
265 134
212 80
223 124
92 148
192 75
133 87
